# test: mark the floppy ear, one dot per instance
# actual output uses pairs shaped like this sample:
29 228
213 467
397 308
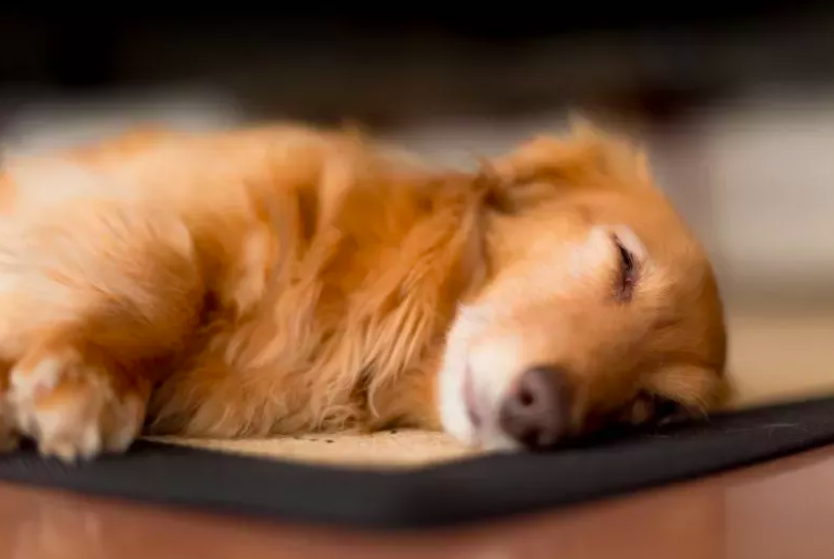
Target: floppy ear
695 387
545 157
586 155
505 194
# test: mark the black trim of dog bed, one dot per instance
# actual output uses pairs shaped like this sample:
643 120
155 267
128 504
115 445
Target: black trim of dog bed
470 490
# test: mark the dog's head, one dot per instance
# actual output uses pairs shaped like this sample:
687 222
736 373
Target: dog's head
599 305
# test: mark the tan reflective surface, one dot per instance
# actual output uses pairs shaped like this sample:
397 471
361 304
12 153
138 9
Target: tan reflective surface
784 509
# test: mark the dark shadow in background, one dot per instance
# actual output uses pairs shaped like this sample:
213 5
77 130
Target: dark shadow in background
386 66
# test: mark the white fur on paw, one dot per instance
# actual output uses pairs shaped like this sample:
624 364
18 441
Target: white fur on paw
84 420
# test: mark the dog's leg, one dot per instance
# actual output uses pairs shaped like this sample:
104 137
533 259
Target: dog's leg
90 299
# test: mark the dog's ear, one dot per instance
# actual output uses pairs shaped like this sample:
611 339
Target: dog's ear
586 156
698 388
504 193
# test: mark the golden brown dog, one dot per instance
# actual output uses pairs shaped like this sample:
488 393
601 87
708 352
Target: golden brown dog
286 279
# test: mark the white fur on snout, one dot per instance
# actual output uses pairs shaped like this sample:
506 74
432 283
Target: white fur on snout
496 364
453 414
492 364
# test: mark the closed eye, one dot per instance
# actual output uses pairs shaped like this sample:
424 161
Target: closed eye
627 273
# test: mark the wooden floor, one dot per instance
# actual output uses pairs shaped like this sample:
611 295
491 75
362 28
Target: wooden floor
781 510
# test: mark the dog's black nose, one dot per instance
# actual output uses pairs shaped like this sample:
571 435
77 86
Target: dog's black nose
536 413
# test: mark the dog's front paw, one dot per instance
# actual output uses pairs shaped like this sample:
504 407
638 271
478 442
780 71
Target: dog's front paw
69 405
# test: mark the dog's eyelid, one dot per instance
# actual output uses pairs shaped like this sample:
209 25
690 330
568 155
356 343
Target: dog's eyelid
628 268
624 236
627 256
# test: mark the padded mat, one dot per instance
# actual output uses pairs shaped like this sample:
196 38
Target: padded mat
471 489
395 448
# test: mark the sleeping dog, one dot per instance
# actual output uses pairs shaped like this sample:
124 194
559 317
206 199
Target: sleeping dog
287 279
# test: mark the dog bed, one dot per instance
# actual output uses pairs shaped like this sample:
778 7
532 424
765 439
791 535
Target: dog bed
465 489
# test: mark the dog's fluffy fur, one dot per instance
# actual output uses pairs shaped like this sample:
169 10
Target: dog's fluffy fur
287 279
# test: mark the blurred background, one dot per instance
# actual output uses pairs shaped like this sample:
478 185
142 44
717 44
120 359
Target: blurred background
735 103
